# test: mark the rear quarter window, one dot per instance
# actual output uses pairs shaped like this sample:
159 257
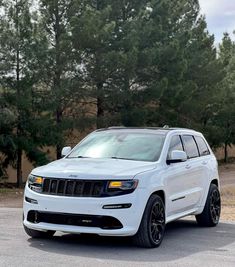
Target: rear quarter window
202 146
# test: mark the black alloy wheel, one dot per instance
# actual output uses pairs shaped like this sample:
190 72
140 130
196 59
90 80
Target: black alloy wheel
152 227
157 222
215 206
212 209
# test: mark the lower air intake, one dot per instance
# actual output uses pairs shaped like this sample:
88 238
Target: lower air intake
103 222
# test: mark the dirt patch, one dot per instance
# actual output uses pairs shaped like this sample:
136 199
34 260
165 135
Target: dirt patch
13 198
227 174
227 181
228 203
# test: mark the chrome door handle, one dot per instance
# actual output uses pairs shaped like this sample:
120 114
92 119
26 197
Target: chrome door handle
187 167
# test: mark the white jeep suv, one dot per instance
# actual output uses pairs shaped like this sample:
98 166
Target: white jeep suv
125 182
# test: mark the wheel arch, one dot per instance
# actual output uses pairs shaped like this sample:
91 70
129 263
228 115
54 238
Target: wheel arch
215 182
161 194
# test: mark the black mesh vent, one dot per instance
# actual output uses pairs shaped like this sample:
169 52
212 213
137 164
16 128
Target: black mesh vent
103 222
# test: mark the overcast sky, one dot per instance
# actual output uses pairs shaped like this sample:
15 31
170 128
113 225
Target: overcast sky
220 16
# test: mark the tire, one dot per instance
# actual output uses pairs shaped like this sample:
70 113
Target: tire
211 212
152 226
38 234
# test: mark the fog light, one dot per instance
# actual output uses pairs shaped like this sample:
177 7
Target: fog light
30 200
117 206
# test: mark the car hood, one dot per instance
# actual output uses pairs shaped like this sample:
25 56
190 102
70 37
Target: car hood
87 168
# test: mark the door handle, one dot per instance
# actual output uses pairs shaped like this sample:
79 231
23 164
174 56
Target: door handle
187 167
204 162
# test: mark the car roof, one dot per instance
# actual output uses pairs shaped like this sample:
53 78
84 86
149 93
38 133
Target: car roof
166 129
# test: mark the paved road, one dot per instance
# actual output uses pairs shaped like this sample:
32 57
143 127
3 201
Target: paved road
185 244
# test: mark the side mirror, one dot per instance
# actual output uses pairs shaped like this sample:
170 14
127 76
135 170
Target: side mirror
177 156
65 151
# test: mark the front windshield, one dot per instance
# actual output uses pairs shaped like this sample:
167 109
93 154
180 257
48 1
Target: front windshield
120 145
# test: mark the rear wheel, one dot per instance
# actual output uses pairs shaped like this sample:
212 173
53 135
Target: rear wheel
152 227
38 234
211 212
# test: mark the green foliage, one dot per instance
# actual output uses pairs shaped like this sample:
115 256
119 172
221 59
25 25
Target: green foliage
142 63
63 72
138 55
224 117
20 85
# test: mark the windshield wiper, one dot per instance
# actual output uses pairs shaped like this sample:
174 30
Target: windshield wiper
120 158
78 157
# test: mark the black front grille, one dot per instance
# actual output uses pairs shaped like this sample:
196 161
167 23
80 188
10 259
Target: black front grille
103 222
77 188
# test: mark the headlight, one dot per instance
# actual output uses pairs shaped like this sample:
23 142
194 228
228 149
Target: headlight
35 183
126 185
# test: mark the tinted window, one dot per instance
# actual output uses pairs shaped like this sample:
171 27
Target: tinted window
175 144
120 144
202 146
190 146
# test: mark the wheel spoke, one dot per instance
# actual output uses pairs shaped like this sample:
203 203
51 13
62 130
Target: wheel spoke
215 206
156 234
157 220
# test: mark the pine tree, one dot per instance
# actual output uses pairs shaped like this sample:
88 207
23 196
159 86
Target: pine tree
180 62
20 46
146 62
107 34
204 72
63 68
224 118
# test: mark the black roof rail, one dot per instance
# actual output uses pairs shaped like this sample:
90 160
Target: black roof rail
117 127
164 128
142 128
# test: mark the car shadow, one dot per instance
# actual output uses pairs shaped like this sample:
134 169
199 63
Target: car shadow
182 238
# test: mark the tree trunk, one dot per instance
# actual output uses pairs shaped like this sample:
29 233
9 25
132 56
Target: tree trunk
227 141
99 85
19 168
57 77
100 106
19 130
225 152
58 121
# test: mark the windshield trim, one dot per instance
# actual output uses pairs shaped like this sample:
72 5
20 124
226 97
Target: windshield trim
135 131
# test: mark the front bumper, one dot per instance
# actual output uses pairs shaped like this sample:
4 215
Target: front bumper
130 218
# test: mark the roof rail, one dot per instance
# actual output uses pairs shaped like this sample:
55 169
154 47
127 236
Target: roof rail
146 128
166 127
116 127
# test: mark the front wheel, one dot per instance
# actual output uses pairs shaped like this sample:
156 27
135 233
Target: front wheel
38 234
211 212
152 227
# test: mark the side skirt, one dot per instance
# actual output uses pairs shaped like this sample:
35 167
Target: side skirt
180 215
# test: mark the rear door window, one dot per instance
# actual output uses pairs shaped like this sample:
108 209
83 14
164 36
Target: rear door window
190 146
202 146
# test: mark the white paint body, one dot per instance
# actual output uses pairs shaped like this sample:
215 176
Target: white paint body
185 186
